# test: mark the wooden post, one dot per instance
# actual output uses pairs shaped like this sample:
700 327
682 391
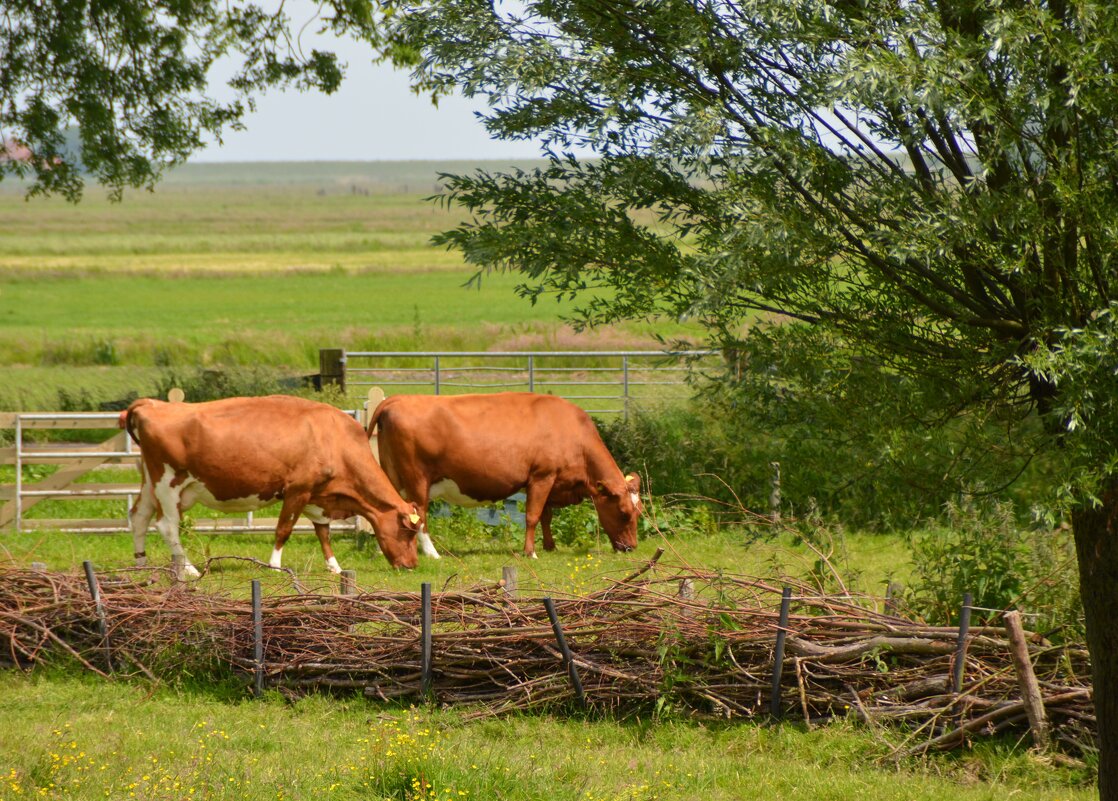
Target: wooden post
778 656
258 638
961 646
331 367
102 624
508 580
568 657
774 495
176 395
1026 678
425 638
39 567
347 584
178 568
892 593
376 395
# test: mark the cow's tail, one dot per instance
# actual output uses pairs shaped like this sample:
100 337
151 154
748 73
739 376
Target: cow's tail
374 420
127 419
372 432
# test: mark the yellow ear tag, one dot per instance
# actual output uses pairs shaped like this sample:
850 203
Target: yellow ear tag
630 477
414 518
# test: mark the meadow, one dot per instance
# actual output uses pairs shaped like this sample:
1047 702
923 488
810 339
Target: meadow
264 270
262 265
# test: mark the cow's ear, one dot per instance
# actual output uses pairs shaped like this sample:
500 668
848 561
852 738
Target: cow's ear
633 482
411 519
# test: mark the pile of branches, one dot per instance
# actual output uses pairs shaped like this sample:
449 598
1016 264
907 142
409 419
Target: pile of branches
694 642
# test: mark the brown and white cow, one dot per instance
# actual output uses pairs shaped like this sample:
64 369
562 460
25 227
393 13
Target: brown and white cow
470 449
240 454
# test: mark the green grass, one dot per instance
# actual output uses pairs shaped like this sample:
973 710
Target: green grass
266 271
473 553
73 737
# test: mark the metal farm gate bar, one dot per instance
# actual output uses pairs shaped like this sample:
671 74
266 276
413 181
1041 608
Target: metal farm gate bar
601 382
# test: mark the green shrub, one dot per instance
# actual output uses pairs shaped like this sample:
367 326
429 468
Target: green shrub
982 550
206 384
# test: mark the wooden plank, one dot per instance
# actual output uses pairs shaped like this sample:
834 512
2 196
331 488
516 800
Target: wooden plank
87 492
69 473
8 491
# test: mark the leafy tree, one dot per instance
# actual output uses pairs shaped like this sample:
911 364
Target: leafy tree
129 78
931 186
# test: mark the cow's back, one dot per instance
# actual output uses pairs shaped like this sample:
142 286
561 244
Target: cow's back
490 445
266 439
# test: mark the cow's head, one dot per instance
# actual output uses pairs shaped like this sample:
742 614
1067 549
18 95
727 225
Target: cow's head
396 530
619 509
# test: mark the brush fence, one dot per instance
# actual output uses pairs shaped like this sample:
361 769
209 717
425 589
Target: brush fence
697 643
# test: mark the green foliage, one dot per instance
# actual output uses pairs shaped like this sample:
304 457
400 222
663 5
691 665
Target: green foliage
121 92
206 384
917 184
982 550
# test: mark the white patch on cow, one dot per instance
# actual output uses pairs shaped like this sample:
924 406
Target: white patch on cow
316 514
277 558
636 498
449 492
425 545
333 566
194 491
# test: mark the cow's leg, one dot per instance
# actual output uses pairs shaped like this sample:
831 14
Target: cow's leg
545 524
289 513
534 505
322 529
139 518
169 498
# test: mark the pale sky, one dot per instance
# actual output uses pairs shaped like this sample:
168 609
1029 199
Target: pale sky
374 116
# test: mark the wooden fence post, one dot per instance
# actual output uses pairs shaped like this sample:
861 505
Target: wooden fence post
508 580
425 639
258 638
1026 678
331 367
99 609
568 657
961 646
893 591
778 656
347 583
774 495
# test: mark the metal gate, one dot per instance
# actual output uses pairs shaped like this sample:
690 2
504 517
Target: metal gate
601 382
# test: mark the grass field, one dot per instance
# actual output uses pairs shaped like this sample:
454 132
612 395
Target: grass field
267 270
263 265
70 737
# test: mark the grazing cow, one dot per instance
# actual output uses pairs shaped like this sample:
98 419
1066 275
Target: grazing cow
470 449
240 454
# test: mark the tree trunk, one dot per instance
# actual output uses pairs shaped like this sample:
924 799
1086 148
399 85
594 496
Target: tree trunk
1096 545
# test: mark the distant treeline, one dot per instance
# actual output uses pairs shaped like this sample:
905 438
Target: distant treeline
376 176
